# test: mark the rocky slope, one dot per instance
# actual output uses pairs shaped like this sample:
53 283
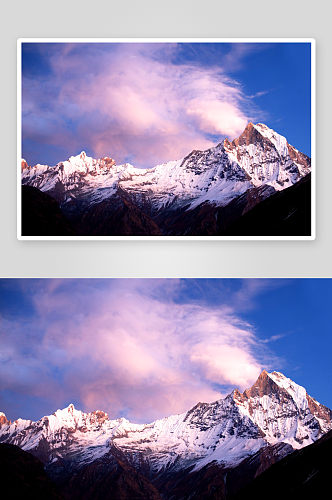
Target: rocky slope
259 162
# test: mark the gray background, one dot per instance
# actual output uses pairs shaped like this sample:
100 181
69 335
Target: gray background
159 18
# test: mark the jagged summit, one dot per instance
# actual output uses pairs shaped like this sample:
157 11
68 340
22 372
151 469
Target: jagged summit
252 134
272 383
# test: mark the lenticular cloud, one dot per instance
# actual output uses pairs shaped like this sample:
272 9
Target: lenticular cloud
130 102
123 349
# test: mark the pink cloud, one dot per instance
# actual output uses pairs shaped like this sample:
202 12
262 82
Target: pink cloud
130 103
218 117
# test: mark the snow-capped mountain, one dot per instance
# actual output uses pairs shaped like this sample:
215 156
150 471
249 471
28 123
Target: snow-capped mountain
274 412
258 159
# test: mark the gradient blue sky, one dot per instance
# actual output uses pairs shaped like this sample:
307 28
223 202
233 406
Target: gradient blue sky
145 349
149 103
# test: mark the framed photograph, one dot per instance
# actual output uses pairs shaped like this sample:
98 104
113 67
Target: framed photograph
166 139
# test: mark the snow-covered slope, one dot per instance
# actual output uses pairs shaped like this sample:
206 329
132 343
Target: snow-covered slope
274 410
258 157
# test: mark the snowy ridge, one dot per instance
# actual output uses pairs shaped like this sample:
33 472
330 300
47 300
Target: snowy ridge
274 410
13 428
279 141
297 392
258 157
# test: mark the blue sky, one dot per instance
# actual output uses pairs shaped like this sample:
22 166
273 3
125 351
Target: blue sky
148 103
145 349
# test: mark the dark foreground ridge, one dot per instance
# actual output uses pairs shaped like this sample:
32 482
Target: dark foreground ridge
108 478
23 476
301 475
41 215
283 213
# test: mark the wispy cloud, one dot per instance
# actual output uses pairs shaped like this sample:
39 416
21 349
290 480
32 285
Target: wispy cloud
132 102
251 289
124 347
273 338
259 94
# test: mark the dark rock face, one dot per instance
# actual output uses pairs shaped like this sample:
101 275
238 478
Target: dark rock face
107 478
304 474
205 484
112 477
41 215
258 212
207 219
116 217
217 482
200 221
23 476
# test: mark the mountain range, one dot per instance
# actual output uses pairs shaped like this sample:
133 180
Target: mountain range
201 194
211 451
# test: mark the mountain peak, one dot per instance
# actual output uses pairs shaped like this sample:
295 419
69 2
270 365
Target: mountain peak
250 135
263 386
24 165
3 419
69 409
77 159
275 377
274 384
